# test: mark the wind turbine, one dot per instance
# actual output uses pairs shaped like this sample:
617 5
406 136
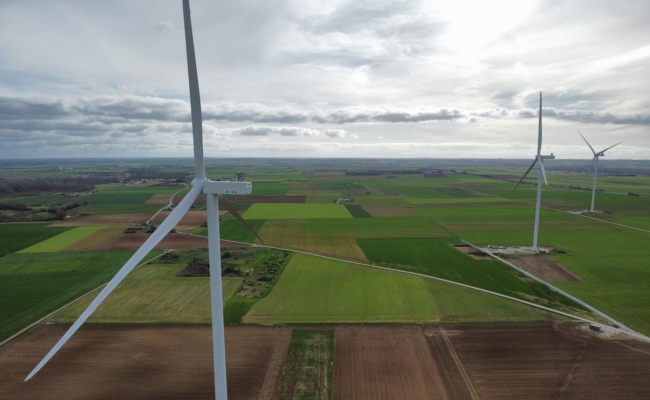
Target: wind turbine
213 191
594 163
542 173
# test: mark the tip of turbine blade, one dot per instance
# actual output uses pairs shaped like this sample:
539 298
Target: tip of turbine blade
31 375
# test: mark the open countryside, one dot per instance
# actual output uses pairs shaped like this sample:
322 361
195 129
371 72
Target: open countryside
390 262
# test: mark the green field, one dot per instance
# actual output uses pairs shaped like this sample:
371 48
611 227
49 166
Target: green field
62 240
121 197
14 237
436 257
270 189
459 200
231 229
357 211
296 211
317 290
119 208
33 285
153 294
611 261
373 227
36 200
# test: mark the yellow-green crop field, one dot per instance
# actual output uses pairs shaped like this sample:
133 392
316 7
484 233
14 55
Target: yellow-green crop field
153 294
62 240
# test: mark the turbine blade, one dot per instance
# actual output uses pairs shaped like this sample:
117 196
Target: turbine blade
159 234
611 147
539 134
226 204
593 161
195 97
583 138
542 170
527 171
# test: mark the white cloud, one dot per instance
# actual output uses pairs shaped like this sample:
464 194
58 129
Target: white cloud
103 76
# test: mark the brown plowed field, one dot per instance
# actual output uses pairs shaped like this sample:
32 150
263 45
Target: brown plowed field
191 219
141 362
470 361
547 361
544 267
382 211
385 363
133 241
105 219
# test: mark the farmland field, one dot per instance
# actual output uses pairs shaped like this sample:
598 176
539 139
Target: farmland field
96 239
436 257
270 189
231 229
14 237
374 227
288 234
153 294
357 211
399 218
33 285
425 362
616 287
62 240
316 290
296 211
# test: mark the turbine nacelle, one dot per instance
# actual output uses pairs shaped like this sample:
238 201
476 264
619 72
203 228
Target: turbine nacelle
226 187
597 154
594 165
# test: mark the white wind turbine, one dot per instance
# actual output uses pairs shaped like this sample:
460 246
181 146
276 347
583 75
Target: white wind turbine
542 173
200 184
594 163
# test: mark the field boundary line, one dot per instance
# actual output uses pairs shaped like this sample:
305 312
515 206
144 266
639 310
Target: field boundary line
541 307
472 392
168 206
621 326
71 303
602 220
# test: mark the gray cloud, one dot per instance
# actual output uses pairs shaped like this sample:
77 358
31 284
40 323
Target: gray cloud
91 113
13 108
286 131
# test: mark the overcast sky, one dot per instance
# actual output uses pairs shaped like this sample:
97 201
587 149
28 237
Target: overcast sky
326 78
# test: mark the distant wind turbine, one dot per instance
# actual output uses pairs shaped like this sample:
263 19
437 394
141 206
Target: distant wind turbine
200 184
542 173
594 163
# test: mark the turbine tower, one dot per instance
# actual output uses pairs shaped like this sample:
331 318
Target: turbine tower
542 173
213 191
594 163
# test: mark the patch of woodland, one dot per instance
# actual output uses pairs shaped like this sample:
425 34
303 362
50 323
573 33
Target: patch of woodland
19 212
260 268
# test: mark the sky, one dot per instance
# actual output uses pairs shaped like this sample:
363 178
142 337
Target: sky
326 78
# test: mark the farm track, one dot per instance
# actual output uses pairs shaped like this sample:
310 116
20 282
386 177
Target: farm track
552 310
501 361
